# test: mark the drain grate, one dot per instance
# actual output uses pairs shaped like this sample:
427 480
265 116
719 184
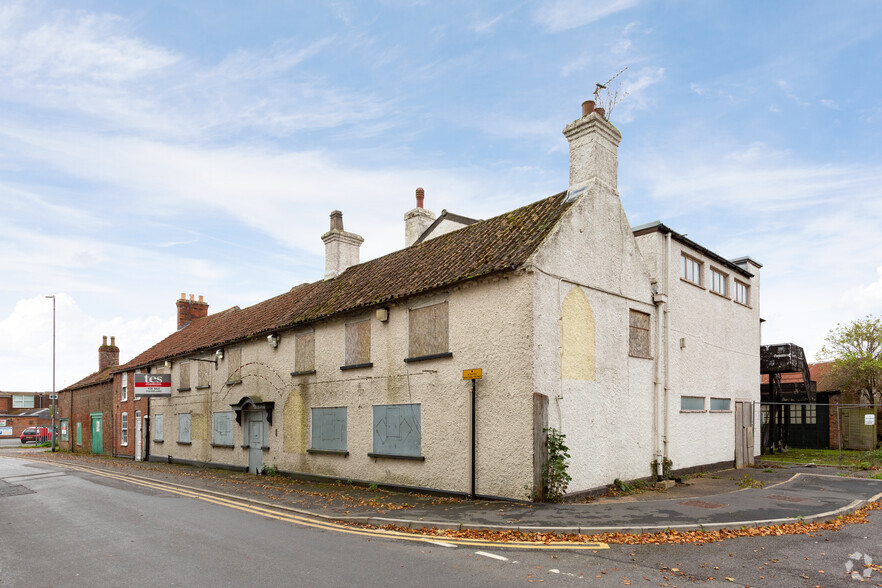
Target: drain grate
786 498
7 489
702 504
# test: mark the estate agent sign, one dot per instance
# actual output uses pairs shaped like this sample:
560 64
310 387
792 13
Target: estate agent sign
152 385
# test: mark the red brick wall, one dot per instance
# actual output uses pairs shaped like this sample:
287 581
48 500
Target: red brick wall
129 406
78 406
19 424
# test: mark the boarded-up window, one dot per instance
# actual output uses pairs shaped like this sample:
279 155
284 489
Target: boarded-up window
223 428
157 427
234 365
638 334
358 343
304 352
428 330
184 428
204 377
397 430
329 429
184 376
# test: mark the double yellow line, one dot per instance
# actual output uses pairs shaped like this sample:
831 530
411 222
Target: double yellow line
278 513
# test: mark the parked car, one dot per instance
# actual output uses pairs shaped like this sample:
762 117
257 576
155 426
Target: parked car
34 434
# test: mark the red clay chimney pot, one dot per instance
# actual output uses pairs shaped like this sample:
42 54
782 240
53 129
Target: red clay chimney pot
587 107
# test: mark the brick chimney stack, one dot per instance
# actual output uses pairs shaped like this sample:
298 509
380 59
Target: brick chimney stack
416 221
341 248
594 145
108 355
189 310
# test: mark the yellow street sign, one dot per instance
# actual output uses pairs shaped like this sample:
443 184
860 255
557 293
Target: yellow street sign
471 374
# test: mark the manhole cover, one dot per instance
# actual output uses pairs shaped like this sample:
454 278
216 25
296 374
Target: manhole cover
7 489
702 504
786 498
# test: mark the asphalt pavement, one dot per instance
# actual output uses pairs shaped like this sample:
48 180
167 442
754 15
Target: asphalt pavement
708 502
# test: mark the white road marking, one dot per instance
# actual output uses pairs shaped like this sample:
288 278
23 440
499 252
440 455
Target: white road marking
491 555
554 571
442 544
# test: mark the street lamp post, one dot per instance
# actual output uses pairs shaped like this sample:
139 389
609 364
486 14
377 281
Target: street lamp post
52 296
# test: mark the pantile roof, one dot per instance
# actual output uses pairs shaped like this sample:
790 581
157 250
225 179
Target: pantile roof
498 244
100 377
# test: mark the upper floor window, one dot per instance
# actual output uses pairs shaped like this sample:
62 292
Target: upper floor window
203 374
184 376
124 393
358 344
22 401
742 293
690 269
234 365
428 330
719 282
638 334
304 352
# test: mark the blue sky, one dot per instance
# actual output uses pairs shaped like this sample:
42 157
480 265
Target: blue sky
154 148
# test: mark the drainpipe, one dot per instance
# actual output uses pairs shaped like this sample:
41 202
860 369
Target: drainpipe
667 342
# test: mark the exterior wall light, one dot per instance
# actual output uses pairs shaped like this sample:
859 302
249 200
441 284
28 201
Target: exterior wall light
273 340
167 364
219 354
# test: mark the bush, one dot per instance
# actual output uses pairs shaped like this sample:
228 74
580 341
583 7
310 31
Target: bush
555 477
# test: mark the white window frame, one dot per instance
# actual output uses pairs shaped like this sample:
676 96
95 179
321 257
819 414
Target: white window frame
124 389
124 429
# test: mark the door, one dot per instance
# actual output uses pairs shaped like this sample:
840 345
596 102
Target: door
255 442
743 434
137 435
97 433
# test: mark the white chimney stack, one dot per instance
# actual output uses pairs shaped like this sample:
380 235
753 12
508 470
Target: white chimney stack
416 221
594 145
341 248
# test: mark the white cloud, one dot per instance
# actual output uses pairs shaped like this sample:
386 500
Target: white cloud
638 97
787 89
831 104
486 25
812 225
865 298
26 342
563 15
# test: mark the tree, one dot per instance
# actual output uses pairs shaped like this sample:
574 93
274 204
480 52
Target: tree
856 348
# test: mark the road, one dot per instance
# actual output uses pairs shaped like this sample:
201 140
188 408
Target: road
62 527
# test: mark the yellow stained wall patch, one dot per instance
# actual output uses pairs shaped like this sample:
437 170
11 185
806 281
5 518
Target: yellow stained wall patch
577 326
